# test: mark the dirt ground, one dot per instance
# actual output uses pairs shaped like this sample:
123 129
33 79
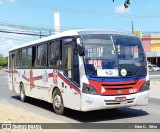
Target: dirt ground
21 116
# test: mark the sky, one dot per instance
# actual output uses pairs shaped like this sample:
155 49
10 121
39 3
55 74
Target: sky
33 16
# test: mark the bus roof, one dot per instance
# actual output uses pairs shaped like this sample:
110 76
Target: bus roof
71 33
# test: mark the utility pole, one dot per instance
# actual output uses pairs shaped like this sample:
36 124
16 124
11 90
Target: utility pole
56 22
132 27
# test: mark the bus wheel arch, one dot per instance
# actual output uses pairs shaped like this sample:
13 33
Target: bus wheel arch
23 96
57 101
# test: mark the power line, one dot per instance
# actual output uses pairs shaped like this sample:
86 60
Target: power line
34 27
22 30
22 33
4 37
25 26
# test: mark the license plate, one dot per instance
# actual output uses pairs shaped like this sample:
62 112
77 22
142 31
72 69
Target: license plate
120 99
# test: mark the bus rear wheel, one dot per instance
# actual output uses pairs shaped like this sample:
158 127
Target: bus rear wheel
58 105
23 97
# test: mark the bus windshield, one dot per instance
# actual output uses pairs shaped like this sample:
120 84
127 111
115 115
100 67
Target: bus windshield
106 55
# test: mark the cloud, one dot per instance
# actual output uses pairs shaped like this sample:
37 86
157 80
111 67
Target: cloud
3 1
10 40
121 9
5 45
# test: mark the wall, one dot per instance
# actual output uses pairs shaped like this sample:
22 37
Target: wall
155 43
146 41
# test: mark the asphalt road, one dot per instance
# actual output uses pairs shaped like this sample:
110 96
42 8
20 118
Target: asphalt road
154 75
154 72
144 114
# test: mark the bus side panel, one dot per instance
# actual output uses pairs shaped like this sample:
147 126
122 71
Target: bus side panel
34 83
10 81
70 92
17 81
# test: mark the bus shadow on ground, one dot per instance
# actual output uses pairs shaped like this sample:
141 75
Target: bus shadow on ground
91 116
36 102
106 115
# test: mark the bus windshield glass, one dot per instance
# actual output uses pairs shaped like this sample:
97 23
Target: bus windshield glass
106 55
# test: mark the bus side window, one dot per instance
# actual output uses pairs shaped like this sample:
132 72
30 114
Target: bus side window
68 61
33 56
24 57
16 54
29 57
55 58
42 55
19 59
10 60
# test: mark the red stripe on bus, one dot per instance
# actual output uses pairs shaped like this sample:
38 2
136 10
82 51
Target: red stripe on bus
11 71
50 75
37 78
25 78
69 83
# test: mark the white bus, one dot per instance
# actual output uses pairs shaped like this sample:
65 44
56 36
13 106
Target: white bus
82 70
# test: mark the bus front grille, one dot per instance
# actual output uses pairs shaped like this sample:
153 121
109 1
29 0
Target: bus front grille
113 102
118 88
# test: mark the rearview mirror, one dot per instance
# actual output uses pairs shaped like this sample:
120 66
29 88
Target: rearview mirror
81 49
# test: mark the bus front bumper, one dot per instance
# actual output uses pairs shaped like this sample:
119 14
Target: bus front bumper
97 102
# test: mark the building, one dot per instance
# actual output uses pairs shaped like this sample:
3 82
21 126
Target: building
151 45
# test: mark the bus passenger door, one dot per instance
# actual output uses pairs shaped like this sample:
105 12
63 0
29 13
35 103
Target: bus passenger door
72 92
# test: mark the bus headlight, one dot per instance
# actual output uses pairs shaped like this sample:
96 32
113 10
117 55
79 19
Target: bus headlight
88 89
145 87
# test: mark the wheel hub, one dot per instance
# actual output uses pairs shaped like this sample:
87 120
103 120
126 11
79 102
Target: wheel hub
57 101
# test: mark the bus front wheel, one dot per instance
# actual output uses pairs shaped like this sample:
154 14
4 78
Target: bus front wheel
58 105
23 97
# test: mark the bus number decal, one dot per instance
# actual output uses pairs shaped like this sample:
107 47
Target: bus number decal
97 63
133 90
55 76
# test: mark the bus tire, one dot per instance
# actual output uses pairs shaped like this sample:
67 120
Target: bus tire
23 97
57 100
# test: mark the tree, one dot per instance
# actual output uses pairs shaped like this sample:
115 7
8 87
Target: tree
3 60
126 3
